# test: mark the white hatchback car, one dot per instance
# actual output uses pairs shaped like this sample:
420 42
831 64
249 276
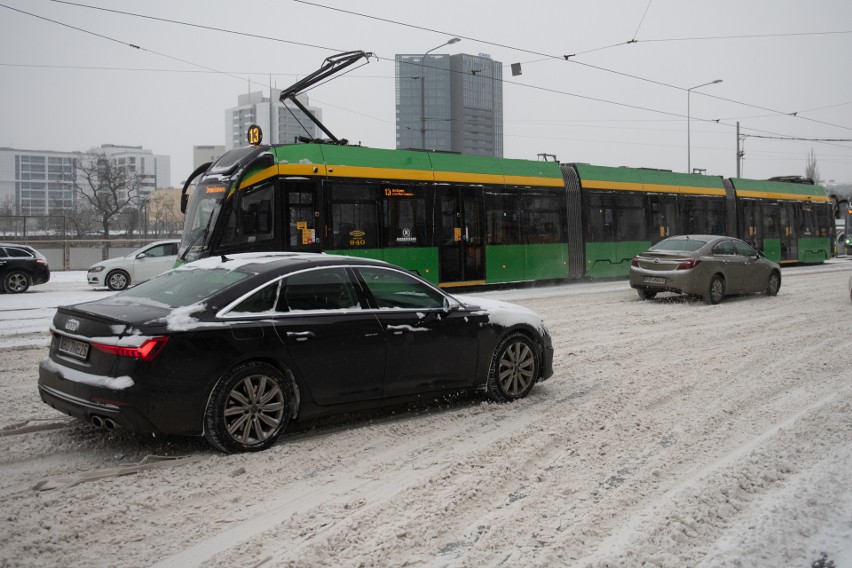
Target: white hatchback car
142 264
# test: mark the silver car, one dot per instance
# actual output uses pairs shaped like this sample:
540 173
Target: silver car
709 266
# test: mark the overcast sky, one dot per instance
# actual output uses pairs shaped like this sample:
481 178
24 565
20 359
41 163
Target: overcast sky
615 102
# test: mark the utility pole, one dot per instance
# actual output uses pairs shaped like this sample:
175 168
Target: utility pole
740 152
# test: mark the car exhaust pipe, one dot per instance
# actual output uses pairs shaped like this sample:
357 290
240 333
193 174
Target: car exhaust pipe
110 424
97 421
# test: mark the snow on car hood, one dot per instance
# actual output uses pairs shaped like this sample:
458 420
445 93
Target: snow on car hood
505 314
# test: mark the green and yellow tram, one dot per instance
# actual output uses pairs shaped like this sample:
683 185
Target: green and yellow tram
456 220
470 220
625 210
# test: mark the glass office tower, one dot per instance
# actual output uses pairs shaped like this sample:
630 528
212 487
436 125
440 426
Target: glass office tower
451 103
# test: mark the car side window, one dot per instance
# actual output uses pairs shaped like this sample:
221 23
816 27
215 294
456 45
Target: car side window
744 250
319 289
156 251
393 289
725 248
264 300
170 249
3 253
17 253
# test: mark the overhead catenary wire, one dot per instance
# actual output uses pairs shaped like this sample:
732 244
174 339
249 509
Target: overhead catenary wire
545 55
645 13
535 87
570 58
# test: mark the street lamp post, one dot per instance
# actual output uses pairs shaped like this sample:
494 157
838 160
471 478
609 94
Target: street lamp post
423 90
688 133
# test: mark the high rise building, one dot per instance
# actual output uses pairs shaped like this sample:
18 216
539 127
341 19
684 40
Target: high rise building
42 182
288 121
34 182
153 170
450 103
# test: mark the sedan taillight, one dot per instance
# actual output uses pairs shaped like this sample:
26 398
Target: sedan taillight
145 352
635 262
687 264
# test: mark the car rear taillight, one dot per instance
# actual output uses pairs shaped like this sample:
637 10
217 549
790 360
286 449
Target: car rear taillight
687 264
635 262
145 352
41 261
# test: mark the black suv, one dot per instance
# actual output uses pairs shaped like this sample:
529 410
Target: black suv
21 266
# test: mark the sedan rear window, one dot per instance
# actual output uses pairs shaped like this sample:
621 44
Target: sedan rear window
178 288
679 244
17 253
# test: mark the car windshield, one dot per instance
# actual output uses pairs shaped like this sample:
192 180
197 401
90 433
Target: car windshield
679 244
178 288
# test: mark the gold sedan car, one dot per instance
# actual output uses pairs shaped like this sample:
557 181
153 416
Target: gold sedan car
710 266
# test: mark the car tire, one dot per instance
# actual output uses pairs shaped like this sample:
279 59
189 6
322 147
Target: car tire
16 282
715 290
773 283
514 368
249 408
646 294
118 280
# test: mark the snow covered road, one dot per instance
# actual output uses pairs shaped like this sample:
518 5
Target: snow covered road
672 433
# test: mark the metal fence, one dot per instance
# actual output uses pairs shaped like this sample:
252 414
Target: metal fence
65 251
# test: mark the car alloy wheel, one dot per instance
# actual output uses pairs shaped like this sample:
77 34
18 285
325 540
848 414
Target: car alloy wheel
715 290
514 368
773 284
16 282
118 280
249 408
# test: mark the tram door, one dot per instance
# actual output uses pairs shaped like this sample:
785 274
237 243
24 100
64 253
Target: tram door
789 233
303 217
765 219
662 221
461 242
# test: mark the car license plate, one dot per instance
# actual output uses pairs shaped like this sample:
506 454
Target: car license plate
72 347
654 280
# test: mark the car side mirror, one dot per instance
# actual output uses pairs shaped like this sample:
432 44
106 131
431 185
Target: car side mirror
451 305
141 255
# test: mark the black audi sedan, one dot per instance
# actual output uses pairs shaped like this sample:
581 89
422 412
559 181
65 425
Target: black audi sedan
21 266
235 348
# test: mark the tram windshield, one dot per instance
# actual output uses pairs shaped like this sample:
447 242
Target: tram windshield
204 207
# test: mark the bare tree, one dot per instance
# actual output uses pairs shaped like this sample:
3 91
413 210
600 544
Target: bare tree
811 169
7 205
164 215
82 218
106 186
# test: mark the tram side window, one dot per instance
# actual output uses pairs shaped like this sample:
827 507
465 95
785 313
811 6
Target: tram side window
542 218
703 216
502 217
750 231
824 219
404 217
806 221
354 217
615 218
253 219
770 215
